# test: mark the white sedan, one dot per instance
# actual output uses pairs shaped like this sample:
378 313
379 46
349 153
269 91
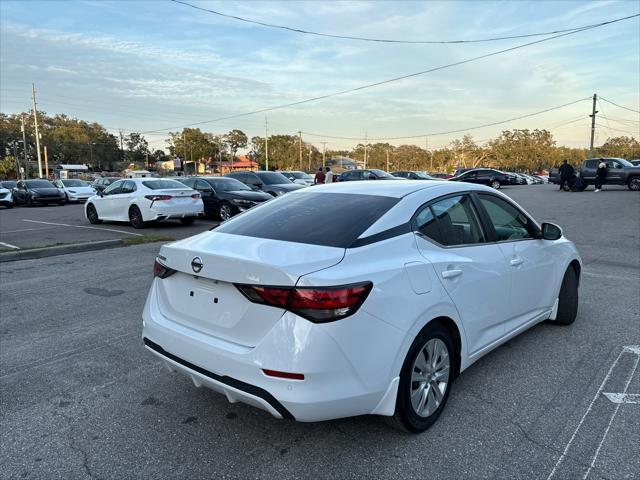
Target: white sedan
6 198
141 200
375 310
75 190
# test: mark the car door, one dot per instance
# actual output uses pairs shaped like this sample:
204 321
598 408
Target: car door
473 271
19 192
208 194
614 172
123 200
106 204
469 177
529 259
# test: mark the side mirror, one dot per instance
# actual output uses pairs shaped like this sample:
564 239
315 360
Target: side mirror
551 231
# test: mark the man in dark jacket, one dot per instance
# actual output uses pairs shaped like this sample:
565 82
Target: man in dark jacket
319 178
566 172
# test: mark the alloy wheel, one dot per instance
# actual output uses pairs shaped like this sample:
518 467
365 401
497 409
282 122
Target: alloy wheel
495 184
429 377
634 184
225 212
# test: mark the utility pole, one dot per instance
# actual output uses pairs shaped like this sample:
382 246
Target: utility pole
593 124
309 168
266 144
121 147
24 146
46 162
324 152
300 135
184 148
365 151
35 120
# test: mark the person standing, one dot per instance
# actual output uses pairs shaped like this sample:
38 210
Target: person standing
566 173
328 177
319 178
601 174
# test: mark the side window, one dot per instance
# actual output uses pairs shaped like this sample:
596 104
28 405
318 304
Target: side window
508 222
252 179
114 188
425 223
129 187
457 221
592 164
189 182
204 186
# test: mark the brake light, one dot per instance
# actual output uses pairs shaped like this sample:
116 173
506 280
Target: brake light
287 375
317 304
155 198
195 196
162 271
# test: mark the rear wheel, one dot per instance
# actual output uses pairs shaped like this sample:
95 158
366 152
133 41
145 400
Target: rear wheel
568 299
10 204
187 220
495 184
29 202
224 211
135 217
634 184
425 379
92 215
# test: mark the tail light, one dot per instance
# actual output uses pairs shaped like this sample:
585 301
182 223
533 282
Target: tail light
195 196
162 271
316 304
155 198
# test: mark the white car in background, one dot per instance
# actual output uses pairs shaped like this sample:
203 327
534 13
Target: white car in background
374 310
301 178
142 200
75 190
6 199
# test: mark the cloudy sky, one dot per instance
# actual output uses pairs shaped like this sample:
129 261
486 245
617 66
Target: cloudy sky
158 65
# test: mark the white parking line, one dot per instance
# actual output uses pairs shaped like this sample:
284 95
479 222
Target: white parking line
595 397
84 226
623 397
615 412
613 277
8 245
27 230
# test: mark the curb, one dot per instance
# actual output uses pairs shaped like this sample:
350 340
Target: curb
59 250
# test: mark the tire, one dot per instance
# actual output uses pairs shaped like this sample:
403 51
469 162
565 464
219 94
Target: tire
9 205
29 202
495 184
634 184
62 203
187 220
583 188
225 212
568 299
92 215
66 198
135 217
420 362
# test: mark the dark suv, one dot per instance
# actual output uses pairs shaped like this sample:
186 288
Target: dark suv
273 183
371 174
484 176
619 172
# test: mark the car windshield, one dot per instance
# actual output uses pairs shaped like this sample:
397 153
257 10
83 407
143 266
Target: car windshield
380 173
272 178
297 175
423 175
624 162
162 184
302 218
227 184
39 184
74 183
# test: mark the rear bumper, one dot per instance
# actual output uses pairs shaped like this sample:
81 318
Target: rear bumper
166 213
347 372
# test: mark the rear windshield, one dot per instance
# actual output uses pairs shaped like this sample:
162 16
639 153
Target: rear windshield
162 184
272 178
328 219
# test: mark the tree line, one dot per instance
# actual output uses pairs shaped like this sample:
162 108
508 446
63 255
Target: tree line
70 140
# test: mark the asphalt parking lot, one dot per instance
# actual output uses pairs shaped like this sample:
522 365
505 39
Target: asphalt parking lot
81 398
46 225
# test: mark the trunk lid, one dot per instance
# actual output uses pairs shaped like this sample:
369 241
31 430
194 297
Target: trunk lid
209 302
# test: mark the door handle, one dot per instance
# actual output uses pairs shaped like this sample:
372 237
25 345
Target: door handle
516 261
451 273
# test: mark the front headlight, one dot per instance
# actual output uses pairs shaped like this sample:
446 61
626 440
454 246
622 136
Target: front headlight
241 202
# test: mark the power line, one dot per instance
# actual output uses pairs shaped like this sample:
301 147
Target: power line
378 40
448 132
395 79
620 106
618 129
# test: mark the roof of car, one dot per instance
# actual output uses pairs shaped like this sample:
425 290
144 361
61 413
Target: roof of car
393 189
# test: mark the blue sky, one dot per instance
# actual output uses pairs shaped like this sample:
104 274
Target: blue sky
147 65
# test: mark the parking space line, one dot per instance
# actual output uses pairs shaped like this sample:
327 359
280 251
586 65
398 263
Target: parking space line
8 245
84 226
575 432
615 412
623 397
27 230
